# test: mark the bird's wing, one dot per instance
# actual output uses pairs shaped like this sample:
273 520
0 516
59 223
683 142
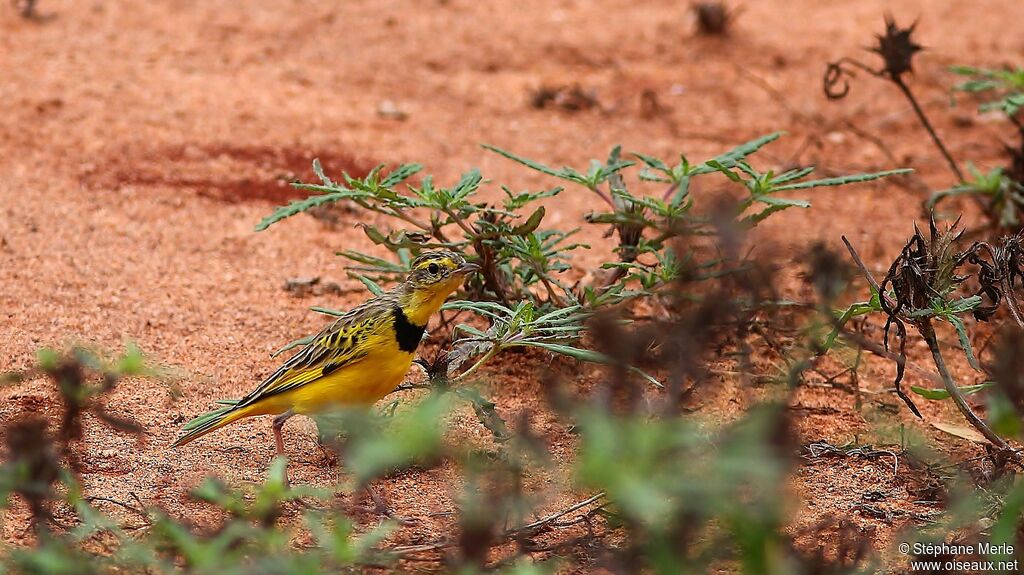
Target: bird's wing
339 344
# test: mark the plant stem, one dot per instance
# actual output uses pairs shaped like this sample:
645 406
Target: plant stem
552 296
404 217
928 126
866 272
490 353
541 522
928 333
607 199
470 233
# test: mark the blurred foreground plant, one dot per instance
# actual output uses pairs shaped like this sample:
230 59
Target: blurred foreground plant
647 485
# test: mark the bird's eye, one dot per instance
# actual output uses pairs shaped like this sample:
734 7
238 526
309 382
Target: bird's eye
433 269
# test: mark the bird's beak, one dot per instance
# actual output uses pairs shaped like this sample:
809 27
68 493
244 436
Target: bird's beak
467 268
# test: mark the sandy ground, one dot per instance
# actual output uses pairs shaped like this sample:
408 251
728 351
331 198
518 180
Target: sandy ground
141 141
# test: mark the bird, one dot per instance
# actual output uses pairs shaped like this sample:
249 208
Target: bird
354 361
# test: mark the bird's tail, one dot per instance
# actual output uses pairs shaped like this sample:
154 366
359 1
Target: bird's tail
212 420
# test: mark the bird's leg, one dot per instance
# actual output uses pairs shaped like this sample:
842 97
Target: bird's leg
279 440
278 426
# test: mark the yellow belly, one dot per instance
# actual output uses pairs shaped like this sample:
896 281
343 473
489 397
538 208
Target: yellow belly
360 383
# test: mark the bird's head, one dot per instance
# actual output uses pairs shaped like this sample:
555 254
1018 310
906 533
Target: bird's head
439 272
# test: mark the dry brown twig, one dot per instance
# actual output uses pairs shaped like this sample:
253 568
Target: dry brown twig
547 522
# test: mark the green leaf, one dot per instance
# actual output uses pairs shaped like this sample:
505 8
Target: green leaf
591 357
842 180
319 171
792 175
965 340
468 184
530 224
559 315
48 359
327 311
719 166
515 201
564 173
754 219
653 162
962 190
374 262
330 192
968 70
784 202
471 331
400 174
299 206
294 344
729 159
371 285
132 362
940 394
596 174
856 309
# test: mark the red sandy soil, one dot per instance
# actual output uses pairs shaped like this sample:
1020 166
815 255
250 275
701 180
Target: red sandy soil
141 141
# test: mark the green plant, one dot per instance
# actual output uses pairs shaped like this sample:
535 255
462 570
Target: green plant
1001 190
1008 86
1004 196
519 288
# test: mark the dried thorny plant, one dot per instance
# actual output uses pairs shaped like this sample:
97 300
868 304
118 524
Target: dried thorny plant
570 98
897 49
27 8
999 192
925 283
714 18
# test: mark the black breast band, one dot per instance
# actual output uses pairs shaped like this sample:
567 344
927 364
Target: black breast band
407 333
